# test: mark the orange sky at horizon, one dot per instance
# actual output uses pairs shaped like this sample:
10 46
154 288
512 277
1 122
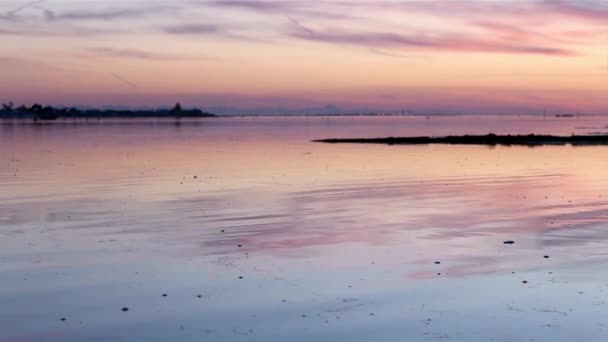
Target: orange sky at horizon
455 56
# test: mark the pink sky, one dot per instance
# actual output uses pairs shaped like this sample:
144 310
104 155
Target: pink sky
452 56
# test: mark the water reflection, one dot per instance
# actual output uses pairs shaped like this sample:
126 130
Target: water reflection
257 234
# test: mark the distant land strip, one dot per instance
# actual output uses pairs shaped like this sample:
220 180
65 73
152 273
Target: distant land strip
39 112
489 139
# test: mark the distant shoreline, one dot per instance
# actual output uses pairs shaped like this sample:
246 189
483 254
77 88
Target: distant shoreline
161 113
38 112
489 139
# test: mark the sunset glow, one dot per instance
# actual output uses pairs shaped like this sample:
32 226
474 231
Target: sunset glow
456 56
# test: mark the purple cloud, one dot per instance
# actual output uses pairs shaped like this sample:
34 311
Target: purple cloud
193 29
451 42
589 10
396 55
210 30
57 32
268 6
130 53
299 8
107 14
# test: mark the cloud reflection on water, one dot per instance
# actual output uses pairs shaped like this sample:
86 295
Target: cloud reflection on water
93 217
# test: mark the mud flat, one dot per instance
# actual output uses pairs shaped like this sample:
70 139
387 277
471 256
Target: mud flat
489 139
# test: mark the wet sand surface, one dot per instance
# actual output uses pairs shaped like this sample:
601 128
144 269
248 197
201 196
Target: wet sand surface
242 229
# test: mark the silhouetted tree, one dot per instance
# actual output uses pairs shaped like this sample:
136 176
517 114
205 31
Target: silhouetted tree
8 106
36 108
176 110
40 112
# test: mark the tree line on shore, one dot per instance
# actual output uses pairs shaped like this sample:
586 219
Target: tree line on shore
40 112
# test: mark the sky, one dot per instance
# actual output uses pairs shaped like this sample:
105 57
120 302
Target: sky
322 56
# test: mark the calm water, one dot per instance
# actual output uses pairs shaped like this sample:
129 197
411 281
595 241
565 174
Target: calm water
256 234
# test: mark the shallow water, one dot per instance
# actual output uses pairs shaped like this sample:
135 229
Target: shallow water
333 242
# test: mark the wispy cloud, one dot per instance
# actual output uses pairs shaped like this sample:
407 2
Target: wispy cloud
507 26
56 32
88 12
124 81
548 9
131 53
317 9
440 41
266 6
18 9
12 14
589 10
487 26
106 14
379 52
193 29
211 30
